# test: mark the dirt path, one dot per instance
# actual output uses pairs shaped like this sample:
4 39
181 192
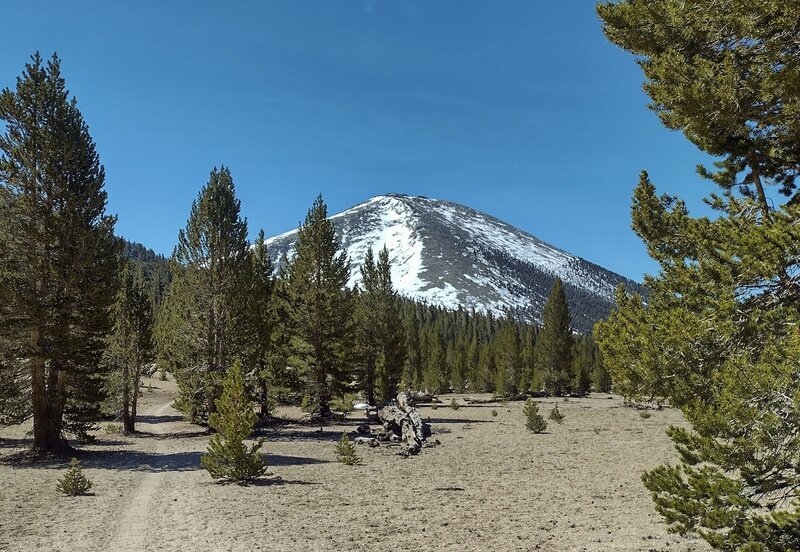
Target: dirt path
132 526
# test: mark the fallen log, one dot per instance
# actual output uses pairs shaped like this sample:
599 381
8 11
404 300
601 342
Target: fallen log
402 422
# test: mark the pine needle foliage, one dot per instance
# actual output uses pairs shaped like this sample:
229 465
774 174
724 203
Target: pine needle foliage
228 457
74 483
58 260
320 308
199 332
553 349
717 335
556 415
346 452
533 420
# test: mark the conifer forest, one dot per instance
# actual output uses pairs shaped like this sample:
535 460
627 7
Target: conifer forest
411 373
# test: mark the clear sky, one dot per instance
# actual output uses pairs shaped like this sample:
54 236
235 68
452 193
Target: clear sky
518 108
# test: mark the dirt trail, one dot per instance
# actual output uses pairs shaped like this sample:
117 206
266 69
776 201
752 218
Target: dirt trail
133 523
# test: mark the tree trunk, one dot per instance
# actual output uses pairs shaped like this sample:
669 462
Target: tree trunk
370 380
47 408
127 426
41 439
264 399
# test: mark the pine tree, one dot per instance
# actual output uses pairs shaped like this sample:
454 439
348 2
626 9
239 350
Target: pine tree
346 452
392 333
533 420
210 286
58 259
554 343
717 335
508 361
228 457
412 371
433 375
556 415
583 365
176 339
74 483
260 322
320 307
369 329
130 347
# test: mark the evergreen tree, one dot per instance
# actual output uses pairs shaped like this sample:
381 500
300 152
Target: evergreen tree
530 376
534 421
210 290
260 322
554 343
412 371
433 375
58 259
228 457
393 338
176 343
583 365
717 336
320 307
508 361
74 483
130 346
346 452
368 327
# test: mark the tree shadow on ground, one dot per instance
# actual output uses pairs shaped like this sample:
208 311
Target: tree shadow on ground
288 460
289 435
136 460
15 443
200 432
437 420
279 481
153 419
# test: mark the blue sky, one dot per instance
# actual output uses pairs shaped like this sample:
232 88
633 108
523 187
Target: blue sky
519 109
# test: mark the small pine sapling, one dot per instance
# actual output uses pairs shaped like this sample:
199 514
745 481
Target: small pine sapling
74 483
556 415
454 404
644 414
228 458
346 452
534 421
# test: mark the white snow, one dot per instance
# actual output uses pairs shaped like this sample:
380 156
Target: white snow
397 222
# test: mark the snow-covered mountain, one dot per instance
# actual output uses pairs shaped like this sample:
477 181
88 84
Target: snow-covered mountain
450 255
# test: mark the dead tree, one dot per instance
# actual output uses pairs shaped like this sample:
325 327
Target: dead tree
403 423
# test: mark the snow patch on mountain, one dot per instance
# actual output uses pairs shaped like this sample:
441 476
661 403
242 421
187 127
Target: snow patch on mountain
453 256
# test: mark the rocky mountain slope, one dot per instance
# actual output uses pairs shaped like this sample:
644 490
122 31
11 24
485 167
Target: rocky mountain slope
454 256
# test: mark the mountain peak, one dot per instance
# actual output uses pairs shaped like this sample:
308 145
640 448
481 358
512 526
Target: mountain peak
450 255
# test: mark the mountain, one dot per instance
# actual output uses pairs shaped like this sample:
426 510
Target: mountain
453 256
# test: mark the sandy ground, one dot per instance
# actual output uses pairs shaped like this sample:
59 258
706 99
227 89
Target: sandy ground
491 485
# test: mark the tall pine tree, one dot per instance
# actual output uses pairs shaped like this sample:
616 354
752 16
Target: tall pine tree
320 307
259 323
392 333
130 347
717 336
553 349
58 257
208 294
